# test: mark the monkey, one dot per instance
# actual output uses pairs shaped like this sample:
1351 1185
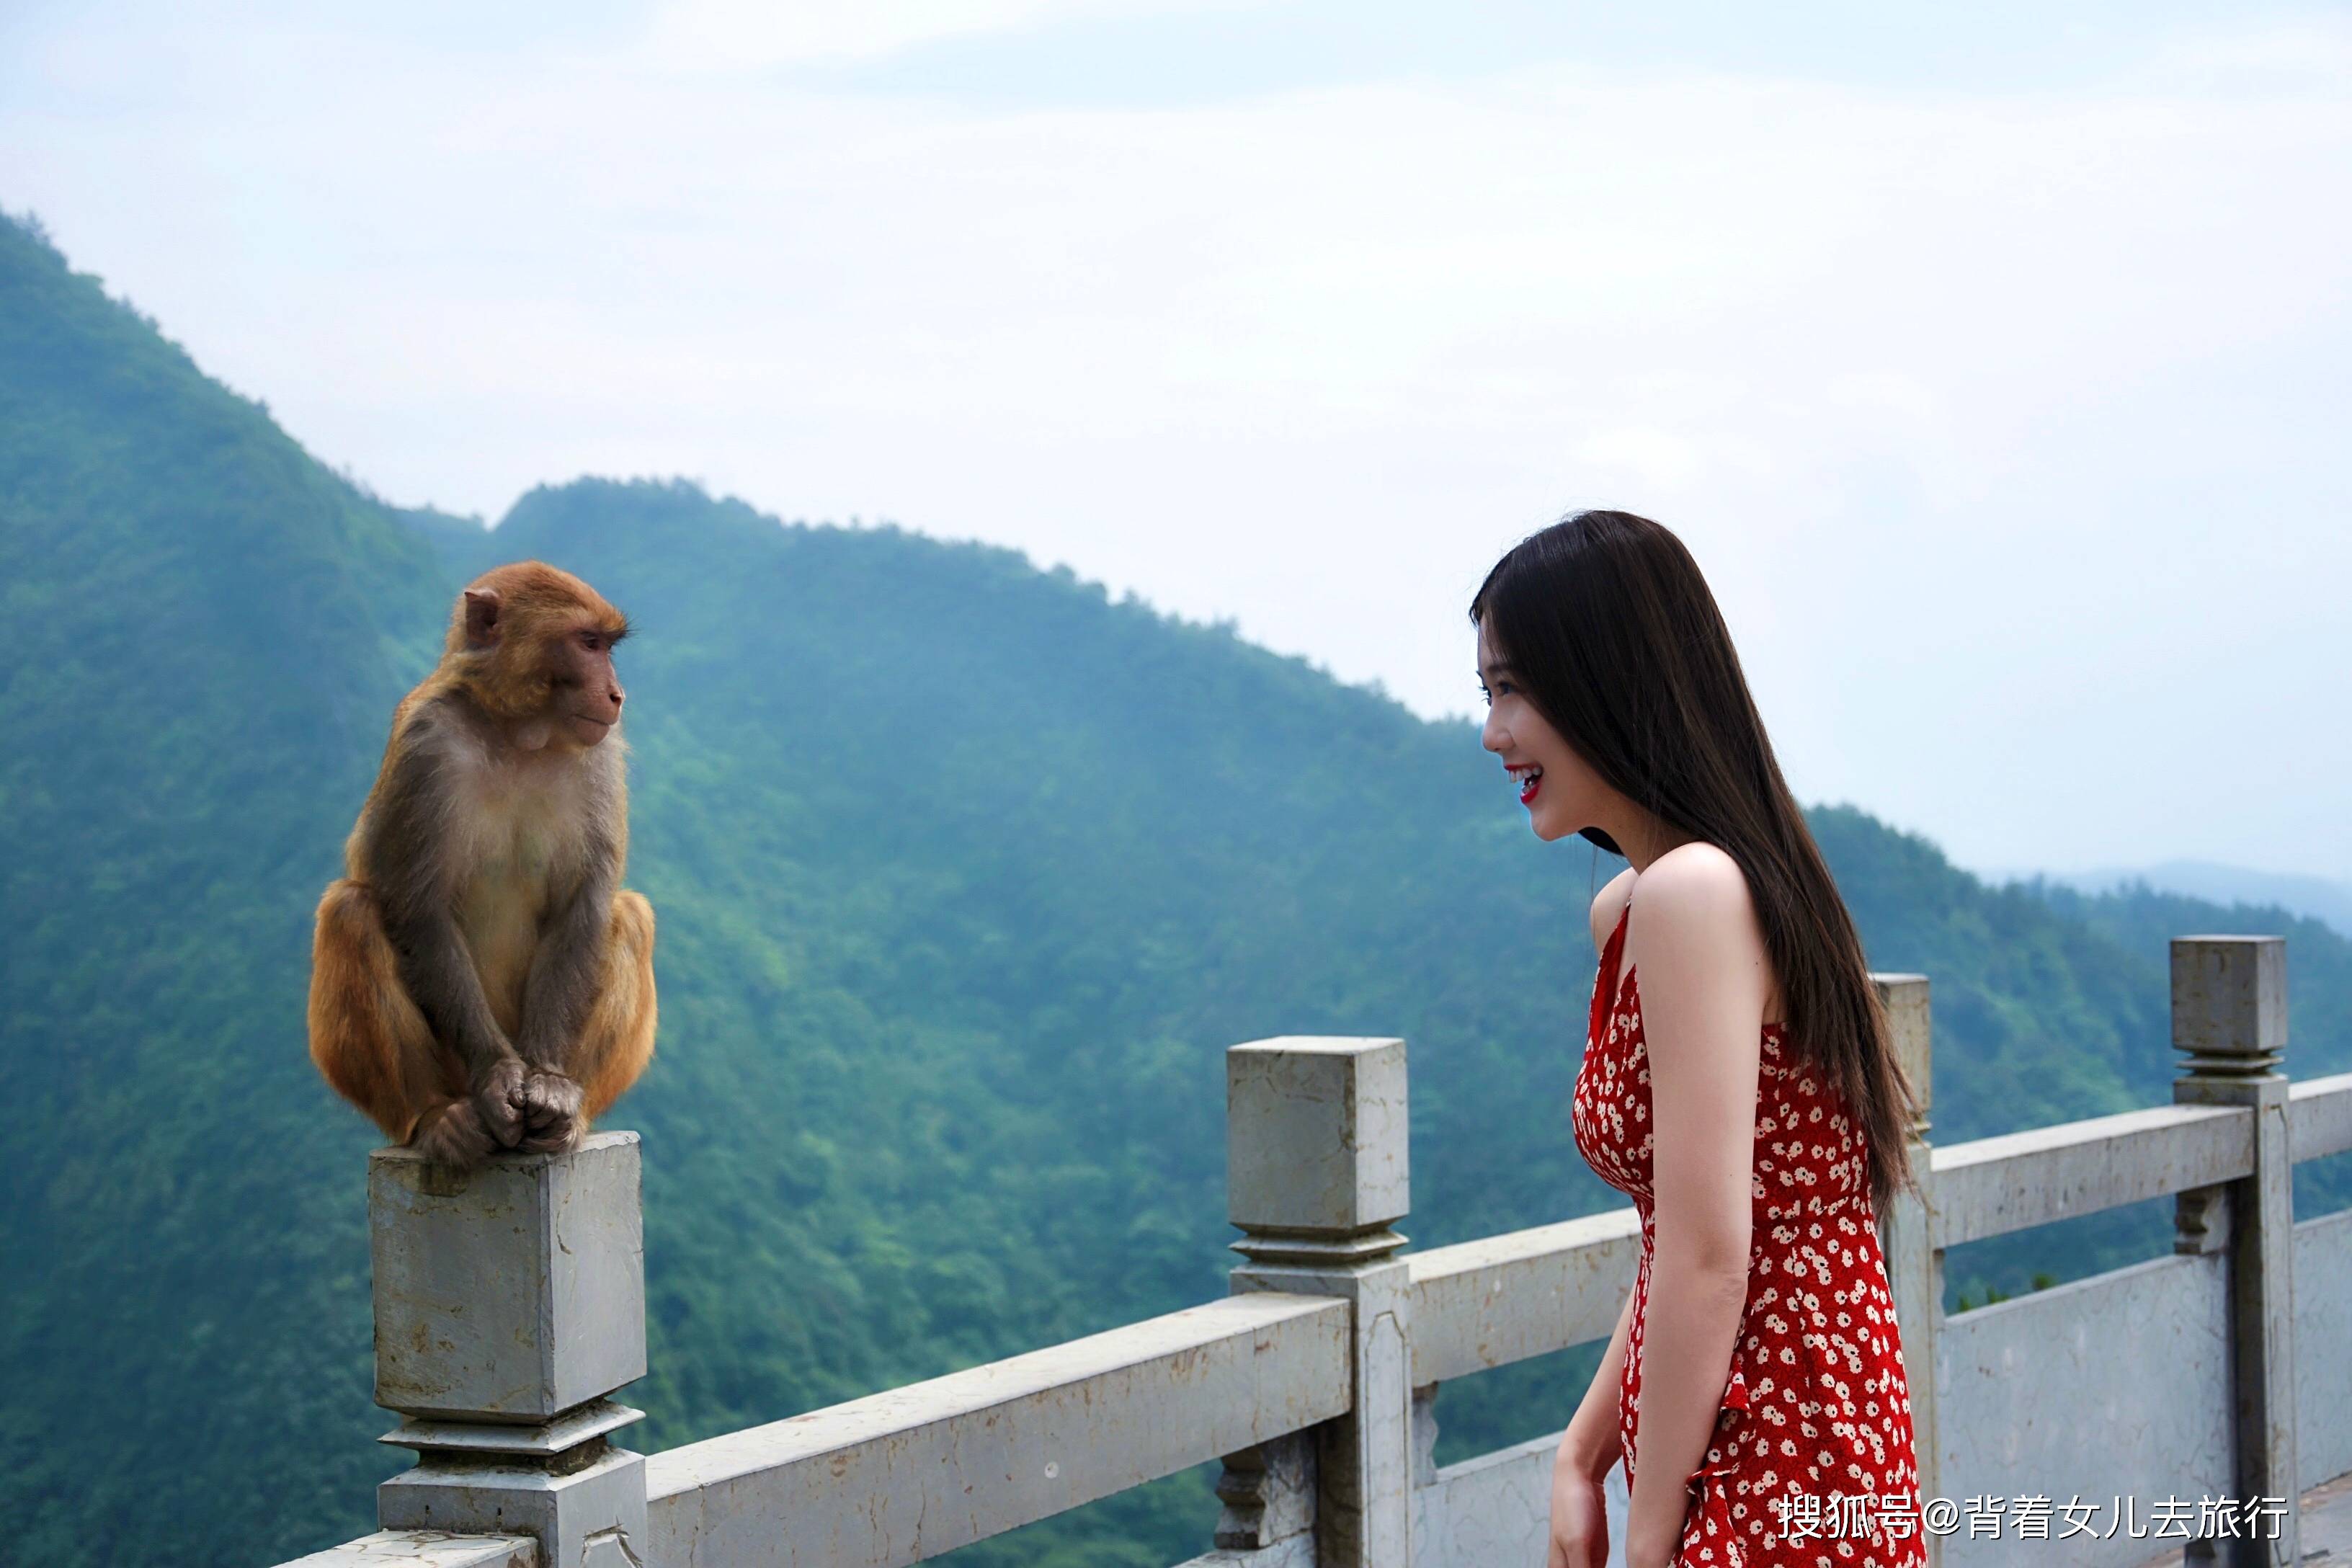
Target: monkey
480 979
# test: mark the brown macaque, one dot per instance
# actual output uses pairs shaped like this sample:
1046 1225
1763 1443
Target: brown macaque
479 980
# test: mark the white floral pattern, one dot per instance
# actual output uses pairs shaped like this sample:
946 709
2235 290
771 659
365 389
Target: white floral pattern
1815 1401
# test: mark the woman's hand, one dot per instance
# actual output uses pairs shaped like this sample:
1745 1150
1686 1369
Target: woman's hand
1580 1512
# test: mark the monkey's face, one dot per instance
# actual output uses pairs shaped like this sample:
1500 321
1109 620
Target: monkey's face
587 692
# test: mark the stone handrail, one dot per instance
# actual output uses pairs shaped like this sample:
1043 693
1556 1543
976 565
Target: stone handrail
1316 1380
427 1548
2319 1116
1482 1304
895 1477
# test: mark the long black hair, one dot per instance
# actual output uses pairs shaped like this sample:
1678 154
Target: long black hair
1610 631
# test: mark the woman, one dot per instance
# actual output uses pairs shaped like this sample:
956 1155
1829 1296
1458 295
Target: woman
1744 1095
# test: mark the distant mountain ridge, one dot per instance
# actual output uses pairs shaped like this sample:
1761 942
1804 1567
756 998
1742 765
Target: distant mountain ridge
2315 898
966 874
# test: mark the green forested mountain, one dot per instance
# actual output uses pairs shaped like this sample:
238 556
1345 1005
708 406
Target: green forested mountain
966 874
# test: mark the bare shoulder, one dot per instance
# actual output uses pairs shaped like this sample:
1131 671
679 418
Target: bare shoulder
1608 904
1697 876
1695 907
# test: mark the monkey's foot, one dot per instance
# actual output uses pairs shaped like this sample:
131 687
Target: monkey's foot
452 1134
549 1103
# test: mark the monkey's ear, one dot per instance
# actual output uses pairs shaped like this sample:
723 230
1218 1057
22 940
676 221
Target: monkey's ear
482 626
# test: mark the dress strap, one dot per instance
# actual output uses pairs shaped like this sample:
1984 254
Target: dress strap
1605 982
1612 956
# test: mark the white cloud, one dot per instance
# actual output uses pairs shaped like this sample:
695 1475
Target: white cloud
2006 424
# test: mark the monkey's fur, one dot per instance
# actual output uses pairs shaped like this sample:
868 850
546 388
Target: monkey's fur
479 980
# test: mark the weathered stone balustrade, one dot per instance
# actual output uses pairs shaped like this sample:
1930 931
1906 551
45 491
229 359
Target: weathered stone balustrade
509 1309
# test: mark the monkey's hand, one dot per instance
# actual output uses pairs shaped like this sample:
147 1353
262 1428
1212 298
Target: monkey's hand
549 1105
452 1134
497 1096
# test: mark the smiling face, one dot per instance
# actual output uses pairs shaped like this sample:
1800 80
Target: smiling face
1556 785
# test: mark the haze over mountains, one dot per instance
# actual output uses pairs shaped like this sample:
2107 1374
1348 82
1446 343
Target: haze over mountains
2319 898
966 874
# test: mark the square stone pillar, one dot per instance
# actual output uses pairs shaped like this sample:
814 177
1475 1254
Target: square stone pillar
509 1305
1317 1172
1914 1263
2229 1017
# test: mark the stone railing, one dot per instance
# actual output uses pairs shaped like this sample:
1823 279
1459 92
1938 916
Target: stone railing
509 1309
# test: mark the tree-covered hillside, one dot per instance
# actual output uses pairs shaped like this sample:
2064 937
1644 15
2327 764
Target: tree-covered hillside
966 874
203 627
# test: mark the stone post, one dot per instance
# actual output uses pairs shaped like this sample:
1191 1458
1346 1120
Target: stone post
2229 1015
1914 1263
1316 1174
509 1305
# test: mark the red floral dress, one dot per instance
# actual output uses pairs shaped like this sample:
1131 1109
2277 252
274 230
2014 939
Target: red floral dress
1811 1462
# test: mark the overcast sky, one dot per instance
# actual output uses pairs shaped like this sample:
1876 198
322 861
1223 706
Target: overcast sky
1995 361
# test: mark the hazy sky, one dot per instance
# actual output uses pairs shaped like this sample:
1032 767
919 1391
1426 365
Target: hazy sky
1995 361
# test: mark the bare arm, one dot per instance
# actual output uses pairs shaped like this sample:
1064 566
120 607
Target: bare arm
1592 1443
1704 978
